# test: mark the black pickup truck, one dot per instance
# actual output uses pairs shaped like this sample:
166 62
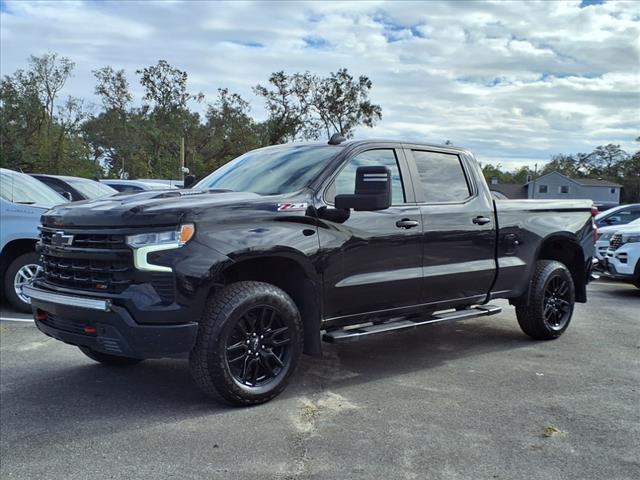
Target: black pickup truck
293 244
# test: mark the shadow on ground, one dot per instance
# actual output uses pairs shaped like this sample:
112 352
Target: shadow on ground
69 389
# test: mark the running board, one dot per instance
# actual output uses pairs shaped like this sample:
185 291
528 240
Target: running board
354 334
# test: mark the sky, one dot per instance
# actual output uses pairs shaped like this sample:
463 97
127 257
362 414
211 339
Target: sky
515 82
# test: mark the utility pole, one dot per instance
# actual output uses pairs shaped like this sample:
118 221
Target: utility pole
182 158
535 174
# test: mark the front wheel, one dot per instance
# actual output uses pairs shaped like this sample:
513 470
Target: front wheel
248 345
546 312
22 270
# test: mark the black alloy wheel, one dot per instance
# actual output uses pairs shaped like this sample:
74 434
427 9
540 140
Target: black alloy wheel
258 347
557 309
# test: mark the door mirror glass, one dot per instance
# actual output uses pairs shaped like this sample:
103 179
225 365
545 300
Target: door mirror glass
372 190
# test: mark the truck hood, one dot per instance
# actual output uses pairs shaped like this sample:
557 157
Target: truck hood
144 209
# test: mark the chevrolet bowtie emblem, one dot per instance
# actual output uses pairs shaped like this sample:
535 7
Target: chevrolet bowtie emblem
59 239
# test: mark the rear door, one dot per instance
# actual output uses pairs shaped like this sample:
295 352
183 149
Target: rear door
457 226
372 260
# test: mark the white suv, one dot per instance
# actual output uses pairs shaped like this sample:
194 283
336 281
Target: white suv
605 234
622 260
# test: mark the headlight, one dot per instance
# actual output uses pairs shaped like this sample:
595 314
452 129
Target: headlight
175 238
145 243
632 238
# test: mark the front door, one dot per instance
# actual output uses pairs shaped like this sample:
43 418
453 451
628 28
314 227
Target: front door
372 260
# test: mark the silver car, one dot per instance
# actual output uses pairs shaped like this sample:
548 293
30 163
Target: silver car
23 199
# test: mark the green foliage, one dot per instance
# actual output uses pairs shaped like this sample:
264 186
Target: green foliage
305 106
41 133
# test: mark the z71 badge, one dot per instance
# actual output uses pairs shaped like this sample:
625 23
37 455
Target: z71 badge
292 207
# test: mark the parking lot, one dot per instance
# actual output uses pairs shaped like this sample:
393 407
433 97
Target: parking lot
468 400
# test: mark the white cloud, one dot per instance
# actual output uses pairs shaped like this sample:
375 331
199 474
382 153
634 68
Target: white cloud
514 81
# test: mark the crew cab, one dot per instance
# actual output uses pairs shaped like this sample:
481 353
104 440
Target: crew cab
289 245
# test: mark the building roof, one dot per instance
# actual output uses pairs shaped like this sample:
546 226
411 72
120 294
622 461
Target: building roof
595 182
510 190
585 182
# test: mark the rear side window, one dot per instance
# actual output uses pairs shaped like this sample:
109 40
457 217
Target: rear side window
345 182
441 176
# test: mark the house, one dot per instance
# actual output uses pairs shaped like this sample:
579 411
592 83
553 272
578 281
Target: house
555 185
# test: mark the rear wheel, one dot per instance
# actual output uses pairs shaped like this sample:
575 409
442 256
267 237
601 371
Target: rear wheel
106 359
22 270
249 343
546 312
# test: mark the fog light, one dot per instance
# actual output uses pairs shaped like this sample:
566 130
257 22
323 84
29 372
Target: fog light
90 330
40 315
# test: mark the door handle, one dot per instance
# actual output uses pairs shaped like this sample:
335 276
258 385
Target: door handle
406 223
481 220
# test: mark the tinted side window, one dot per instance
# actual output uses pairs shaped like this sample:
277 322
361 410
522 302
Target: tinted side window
345 182
442 177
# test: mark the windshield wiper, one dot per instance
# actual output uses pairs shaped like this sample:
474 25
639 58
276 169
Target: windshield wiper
25 203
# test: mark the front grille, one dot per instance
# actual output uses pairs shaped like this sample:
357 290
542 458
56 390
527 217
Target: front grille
616 241
98 262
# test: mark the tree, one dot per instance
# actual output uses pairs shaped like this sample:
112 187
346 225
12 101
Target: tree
340 102
50 73
286 107
109 133
22 117
230 131
113 89
304 105
169 120
607 161
565 164
166 87
495 171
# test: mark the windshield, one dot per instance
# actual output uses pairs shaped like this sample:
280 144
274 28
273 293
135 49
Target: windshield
20 188
271 171
90 188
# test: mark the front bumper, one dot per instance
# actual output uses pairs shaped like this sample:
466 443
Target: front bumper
106 327
612 268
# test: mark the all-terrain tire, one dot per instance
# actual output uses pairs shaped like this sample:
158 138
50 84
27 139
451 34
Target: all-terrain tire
111 360
26 260
534 310
226 315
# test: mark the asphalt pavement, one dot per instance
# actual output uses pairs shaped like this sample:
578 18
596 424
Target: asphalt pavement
466 400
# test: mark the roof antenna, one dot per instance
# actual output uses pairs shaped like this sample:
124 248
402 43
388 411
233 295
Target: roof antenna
336 139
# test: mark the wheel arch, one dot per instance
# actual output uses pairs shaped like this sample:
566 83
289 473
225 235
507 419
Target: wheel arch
13 249
293 275
566 249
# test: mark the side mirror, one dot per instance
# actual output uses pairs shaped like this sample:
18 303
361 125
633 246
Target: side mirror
372 192
189 180
68 196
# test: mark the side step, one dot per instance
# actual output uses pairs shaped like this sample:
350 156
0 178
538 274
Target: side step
353 334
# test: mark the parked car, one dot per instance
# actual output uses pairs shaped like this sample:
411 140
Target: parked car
246 269
622 261
23 200
75 188
166 183
136 185
619 215
604 237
